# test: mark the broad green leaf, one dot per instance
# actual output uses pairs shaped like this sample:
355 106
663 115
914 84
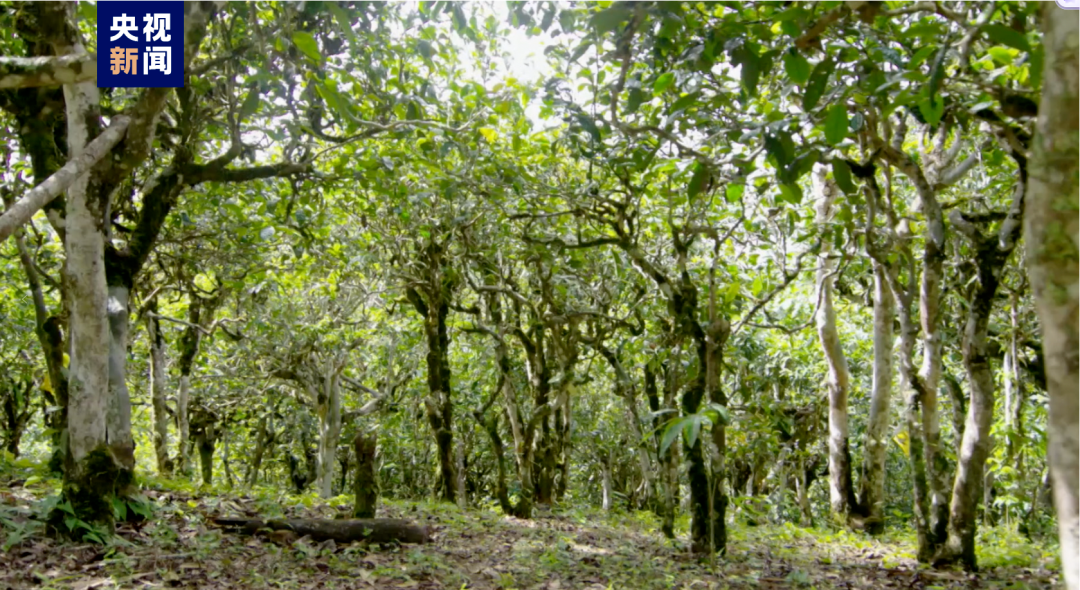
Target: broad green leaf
1005 36
692 429
251 103
836 124
610 18
842 176
699 180
636 97
819 78
931 110
1002 55
306 43
489 134
685 101
796 66
424 47
663 82
791 193
589 125
671 432
734 192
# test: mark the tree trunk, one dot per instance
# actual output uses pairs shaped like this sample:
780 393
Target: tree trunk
605 471
872 497
841 490
183 424
927 545
119 412
937 467
157 392
432 302
1052 234
206 443
668 480
365 486
329 433
462 493
374 530
96 471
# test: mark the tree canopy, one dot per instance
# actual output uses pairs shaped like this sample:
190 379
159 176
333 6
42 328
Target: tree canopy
725 263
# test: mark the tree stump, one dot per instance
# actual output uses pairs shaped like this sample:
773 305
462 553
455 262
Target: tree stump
365 485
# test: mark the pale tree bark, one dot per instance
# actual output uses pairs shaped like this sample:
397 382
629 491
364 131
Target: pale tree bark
841 491
926 184
991 253
328 407
1051 232
605 474
119 412
22 210
903 293
872 497
32 72
157 392
95 470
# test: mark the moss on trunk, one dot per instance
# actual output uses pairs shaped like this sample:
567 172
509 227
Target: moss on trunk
365 485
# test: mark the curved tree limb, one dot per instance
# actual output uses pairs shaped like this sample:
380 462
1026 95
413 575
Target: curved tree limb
40 195
33 72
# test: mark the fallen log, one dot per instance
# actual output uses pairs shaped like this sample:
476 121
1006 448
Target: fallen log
372 530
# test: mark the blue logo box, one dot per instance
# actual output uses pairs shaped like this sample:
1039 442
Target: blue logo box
140 44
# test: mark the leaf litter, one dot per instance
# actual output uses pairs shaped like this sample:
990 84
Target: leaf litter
475 549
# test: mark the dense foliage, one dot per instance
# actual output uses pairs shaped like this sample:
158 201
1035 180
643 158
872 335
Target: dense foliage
742 262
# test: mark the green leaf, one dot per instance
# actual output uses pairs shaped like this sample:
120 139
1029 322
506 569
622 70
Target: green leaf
1006 36
671 432
1036 67
692 429
791 193
842 175
580 51
734 192
489 134
251 103
1002 55
717 413
750 68
342 20
663 82
931 110
306 43
589 125
685 101
796 66
836 124
424 47
610 18
819 78
634 100
699 180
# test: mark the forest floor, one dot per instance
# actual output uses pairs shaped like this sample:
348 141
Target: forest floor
476 549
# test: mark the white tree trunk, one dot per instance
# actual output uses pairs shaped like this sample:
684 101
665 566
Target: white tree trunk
840 490
85 248
329 433
877 429
1051 234
119 414
157 395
